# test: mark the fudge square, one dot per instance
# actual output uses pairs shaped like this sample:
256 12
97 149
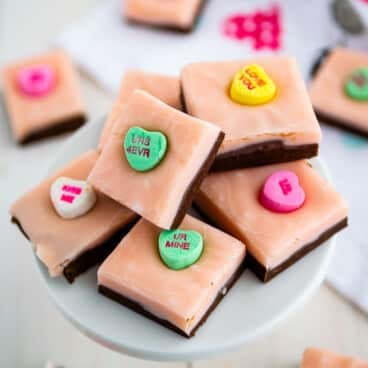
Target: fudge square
166 88
135 275
318 358
339 90
280 212
156 159
267 117
65 244
42 97
180 15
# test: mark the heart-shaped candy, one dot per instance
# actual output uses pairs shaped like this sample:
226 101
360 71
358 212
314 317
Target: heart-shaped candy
72 198
356 85
144 149
180 248
252 86
36 81
282 192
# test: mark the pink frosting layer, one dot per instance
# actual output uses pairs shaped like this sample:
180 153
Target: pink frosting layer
318 358
288 117
232 200
29 114
165 88
327 88
177 13
157 194
58 241
136 271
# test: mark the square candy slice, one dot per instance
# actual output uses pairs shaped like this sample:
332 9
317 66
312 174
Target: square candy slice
42 97
71 245
135 275
156 159
266 113
279 222
179 15
318 358
165 88
339 90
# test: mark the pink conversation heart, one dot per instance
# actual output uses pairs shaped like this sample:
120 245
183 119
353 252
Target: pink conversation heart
36 81
282 192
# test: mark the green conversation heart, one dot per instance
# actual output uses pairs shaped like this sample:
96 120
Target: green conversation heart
180 248
356 85
144 149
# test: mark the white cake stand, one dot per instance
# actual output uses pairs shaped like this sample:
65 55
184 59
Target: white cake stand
250 310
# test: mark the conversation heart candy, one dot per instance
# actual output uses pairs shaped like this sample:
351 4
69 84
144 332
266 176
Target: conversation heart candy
252 86
282 192
72 198
180 248
356 85
144 149
36 81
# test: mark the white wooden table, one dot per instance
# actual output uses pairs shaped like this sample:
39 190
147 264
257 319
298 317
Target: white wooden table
32 331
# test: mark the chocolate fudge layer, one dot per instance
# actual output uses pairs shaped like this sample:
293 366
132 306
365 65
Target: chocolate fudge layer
165 88
318 358
177 15
42 97
178 299
341 72
282 129
160 154
71 246
274 240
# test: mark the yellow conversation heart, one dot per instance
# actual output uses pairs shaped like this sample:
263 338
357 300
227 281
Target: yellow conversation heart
252 86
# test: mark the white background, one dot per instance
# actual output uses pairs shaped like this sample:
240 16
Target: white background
31 330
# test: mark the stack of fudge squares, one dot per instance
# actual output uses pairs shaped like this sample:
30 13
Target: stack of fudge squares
231 138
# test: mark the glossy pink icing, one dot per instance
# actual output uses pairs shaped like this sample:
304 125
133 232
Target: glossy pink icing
157 194
318 358
282 192
135 270
327 88
58 241
177 13
288 117
27 114
231 199
165 88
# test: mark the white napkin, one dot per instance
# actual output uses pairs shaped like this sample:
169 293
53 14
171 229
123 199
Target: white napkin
104 45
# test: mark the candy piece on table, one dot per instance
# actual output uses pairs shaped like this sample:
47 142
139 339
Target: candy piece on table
339 90
36 81
177 15
282 192
164 193
319 358
356 85
233 201
180 248
68 246
252 86
72 198
144 149
272 123
42 97
180 299
165 88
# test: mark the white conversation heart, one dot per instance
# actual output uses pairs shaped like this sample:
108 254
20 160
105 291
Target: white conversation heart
72 198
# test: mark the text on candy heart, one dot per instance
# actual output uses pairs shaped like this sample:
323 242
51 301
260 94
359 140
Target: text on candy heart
285 186
177 244
73 190
251 79
137 150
